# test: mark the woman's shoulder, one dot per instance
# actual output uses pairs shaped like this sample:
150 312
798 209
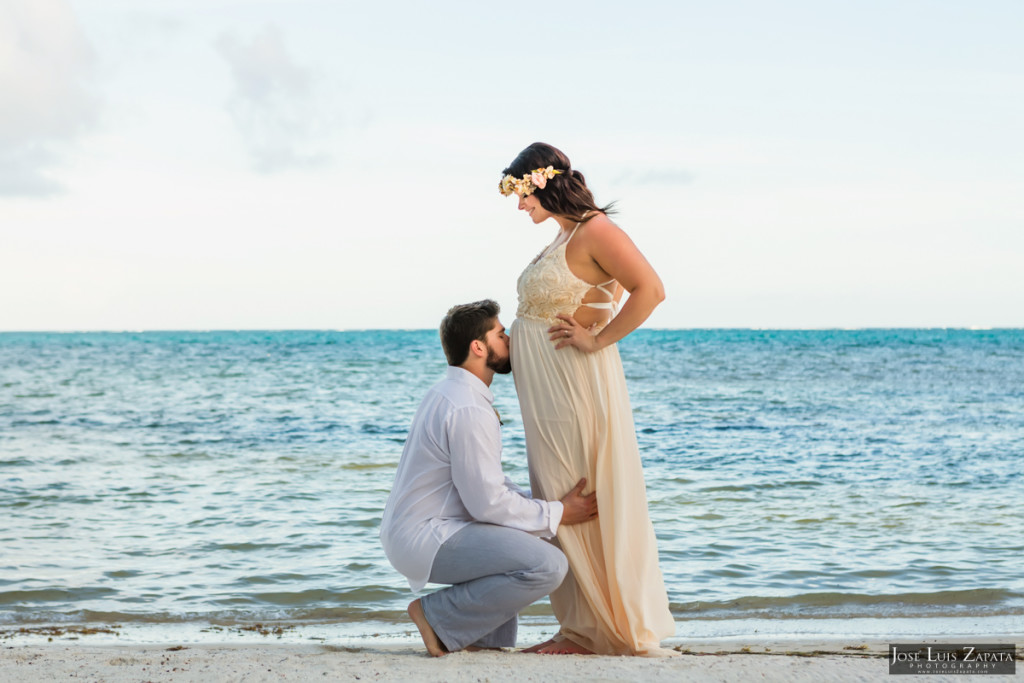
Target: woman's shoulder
600 226
602 236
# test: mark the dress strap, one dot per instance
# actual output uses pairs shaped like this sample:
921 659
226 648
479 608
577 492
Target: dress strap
604 288
611 305
577 227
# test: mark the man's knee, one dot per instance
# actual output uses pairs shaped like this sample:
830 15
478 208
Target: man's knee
553 568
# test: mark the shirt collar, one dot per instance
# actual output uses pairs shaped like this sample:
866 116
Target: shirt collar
466 377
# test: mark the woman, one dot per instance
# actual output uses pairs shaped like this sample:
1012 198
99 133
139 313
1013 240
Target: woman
576 412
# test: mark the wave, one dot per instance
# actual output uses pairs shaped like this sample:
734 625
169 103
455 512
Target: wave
975 602
378 604
63 595
341 614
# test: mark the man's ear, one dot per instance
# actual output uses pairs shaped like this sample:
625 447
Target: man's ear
476 346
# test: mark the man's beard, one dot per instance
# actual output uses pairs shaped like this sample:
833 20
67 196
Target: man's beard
501 366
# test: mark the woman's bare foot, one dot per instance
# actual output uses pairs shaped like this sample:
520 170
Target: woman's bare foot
558 646
434 645
538 646
562 647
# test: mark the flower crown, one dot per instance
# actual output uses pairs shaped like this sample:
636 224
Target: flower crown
525 186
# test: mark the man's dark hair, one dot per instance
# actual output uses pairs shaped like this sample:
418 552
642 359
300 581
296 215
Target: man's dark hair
463 324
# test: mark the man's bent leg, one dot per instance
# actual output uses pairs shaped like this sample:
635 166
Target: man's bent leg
495 571
503 636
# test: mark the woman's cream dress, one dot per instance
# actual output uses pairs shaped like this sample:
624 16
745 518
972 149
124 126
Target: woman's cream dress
578 423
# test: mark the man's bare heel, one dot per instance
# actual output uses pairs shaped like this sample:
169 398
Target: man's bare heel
434 645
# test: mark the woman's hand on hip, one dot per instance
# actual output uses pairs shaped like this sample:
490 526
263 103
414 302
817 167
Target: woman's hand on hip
571 333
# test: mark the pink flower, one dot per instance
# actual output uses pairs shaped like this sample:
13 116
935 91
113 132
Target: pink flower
538 179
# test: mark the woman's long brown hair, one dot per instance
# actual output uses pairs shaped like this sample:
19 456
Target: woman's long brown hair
567 193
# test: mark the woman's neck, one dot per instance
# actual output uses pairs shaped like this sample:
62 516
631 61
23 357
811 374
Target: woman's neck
567 222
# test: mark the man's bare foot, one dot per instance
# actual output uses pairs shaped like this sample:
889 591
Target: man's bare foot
434 645
563 647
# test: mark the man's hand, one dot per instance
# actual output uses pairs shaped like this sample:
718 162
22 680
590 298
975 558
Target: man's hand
579 508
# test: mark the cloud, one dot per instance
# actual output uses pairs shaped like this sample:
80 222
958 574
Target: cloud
45 104
21 170
274 103
657 177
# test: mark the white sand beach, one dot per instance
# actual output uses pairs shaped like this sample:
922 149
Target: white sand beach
735 660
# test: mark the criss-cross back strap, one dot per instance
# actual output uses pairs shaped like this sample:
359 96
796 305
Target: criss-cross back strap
611 304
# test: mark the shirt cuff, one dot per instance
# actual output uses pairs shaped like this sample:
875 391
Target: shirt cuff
556 515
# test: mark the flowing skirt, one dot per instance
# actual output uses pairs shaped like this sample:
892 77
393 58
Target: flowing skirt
578 423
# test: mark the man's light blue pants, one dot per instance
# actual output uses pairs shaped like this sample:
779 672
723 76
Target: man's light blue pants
495 571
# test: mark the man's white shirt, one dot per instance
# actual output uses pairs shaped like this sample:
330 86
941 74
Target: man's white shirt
450 476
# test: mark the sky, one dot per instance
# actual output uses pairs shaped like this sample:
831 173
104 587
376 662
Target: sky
323 164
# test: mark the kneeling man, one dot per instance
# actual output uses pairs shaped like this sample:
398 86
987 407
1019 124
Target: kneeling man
453 517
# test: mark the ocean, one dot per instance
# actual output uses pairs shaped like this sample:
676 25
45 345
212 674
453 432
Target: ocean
863 481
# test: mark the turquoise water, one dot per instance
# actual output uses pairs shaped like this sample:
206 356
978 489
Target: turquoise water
233 477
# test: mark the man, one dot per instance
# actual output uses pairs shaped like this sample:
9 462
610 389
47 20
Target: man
454 518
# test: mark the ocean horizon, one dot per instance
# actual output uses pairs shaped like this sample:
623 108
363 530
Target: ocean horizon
798 479
812 328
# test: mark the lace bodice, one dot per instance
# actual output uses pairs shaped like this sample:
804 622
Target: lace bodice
547 287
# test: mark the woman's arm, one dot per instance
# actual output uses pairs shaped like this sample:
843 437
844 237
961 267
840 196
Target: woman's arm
614 252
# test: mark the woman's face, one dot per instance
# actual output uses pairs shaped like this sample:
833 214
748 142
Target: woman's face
531 205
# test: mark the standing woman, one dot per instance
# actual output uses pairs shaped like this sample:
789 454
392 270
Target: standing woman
576 413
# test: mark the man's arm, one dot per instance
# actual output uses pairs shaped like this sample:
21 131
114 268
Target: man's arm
576 506
516 488
475 452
